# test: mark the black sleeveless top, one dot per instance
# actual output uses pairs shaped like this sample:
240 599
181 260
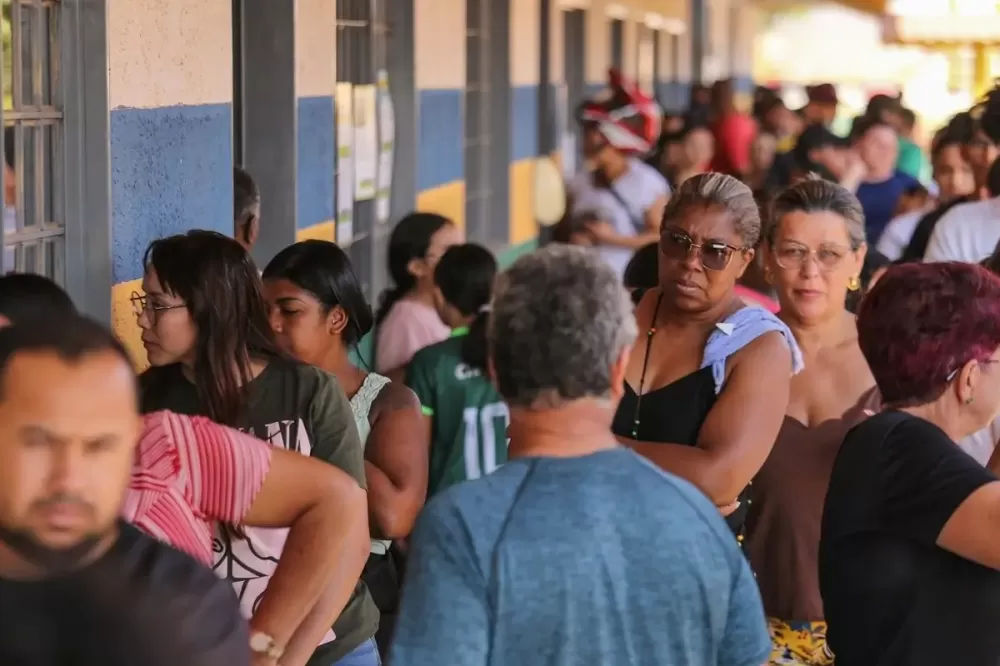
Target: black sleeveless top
674 414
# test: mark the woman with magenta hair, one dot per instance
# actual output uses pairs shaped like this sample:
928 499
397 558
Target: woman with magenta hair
909 560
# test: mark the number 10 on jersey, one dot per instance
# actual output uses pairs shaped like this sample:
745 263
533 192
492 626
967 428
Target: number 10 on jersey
482 425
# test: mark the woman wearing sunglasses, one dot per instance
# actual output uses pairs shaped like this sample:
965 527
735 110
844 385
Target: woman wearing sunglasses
814 247
707 385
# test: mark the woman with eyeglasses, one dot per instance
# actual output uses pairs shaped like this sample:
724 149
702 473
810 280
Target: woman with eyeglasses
707 385
814 249
909 553
208 339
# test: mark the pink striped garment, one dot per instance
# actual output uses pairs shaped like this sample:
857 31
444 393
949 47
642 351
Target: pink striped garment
189 474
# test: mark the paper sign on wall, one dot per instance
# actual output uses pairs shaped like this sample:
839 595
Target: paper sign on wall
365 142
344 98
387 138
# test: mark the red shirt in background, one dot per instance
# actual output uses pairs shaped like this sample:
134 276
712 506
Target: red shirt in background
734 135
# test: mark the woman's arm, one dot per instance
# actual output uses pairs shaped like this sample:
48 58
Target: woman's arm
396 462
326 548
740 430
606 234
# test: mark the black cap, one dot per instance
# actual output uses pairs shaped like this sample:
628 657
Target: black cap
813 138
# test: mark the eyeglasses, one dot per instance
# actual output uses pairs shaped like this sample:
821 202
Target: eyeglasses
141 304
954 373
795 256
714 255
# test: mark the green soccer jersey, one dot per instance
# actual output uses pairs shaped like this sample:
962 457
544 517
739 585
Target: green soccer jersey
469 432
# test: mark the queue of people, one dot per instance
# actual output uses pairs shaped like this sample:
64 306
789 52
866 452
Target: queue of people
613 453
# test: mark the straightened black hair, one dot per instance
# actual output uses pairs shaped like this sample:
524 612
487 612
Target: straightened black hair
324 270
642 271
410 239
219 284
465 274
24 295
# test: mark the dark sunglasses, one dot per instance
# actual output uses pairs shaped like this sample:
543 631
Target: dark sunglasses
714 255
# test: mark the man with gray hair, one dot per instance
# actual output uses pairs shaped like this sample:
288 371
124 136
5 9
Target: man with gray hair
577 551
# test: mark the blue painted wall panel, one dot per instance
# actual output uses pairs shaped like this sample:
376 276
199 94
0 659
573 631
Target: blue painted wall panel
316 161
171 171
440 139
524 122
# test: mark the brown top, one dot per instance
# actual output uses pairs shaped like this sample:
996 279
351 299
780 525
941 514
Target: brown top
783 526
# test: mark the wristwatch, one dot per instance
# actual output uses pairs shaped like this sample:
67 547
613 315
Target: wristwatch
265 645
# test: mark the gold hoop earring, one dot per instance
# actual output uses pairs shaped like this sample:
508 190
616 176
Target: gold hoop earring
854 283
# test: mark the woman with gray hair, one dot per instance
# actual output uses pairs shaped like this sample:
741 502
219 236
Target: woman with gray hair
577 551
692 399
814 250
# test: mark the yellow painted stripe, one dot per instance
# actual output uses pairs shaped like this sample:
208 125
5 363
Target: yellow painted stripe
123 321
447 200
323 231
523 226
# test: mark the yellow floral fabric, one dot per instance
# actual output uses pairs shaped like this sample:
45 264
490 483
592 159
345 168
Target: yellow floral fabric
798 644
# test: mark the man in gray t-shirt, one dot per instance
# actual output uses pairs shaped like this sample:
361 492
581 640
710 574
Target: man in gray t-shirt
576 552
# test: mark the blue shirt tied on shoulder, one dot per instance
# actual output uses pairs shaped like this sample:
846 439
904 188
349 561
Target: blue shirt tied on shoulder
601 559
737 331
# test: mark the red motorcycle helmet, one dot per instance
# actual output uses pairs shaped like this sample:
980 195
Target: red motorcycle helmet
627 118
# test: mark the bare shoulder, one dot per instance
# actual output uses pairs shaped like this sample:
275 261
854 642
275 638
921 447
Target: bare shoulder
396 396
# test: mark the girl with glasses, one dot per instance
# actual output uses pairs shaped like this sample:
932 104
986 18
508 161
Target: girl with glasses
693 402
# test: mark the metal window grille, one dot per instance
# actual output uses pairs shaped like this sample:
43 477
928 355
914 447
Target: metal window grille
574 57
34 231
617 44
478 121
361 51
657 56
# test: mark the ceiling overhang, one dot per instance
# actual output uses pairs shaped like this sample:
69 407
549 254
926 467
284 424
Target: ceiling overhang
941 31
877 7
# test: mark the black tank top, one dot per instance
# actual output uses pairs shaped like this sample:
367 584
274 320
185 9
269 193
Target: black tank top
675 413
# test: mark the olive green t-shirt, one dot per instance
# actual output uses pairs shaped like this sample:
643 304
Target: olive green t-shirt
299 408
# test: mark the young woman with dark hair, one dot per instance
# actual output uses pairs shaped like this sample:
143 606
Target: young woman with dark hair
319 314
909 559
406 321
465 417
205 329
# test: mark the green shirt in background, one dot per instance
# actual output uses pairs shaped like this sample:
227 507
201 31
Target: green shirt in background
911 159
296 407
469 431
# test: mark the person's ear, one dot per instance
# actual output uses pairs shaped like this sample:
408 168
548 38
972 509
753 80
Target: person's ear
966 382
746 258
4 322
417 268
252 230
337 320
617 375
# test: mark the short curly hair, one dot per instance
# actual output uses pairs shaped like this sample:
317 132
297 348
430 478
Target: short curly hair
921 322
561 317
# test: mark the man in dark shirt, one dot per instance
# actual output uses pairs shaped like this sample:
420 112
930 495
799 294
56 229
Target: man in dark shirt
77 586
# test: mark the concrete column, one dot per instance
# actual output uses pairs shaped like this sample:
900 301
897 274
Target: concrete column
170 93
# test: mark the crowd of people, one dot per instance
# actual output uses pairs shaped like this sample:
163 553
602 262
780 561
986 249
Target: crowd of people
704 428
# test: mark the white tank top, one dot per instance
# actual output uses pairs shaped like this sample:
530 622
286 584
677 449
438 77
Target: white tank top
361 405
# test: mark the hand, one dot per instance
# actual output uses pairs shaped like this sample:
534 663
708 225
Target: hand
729 509
602 231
